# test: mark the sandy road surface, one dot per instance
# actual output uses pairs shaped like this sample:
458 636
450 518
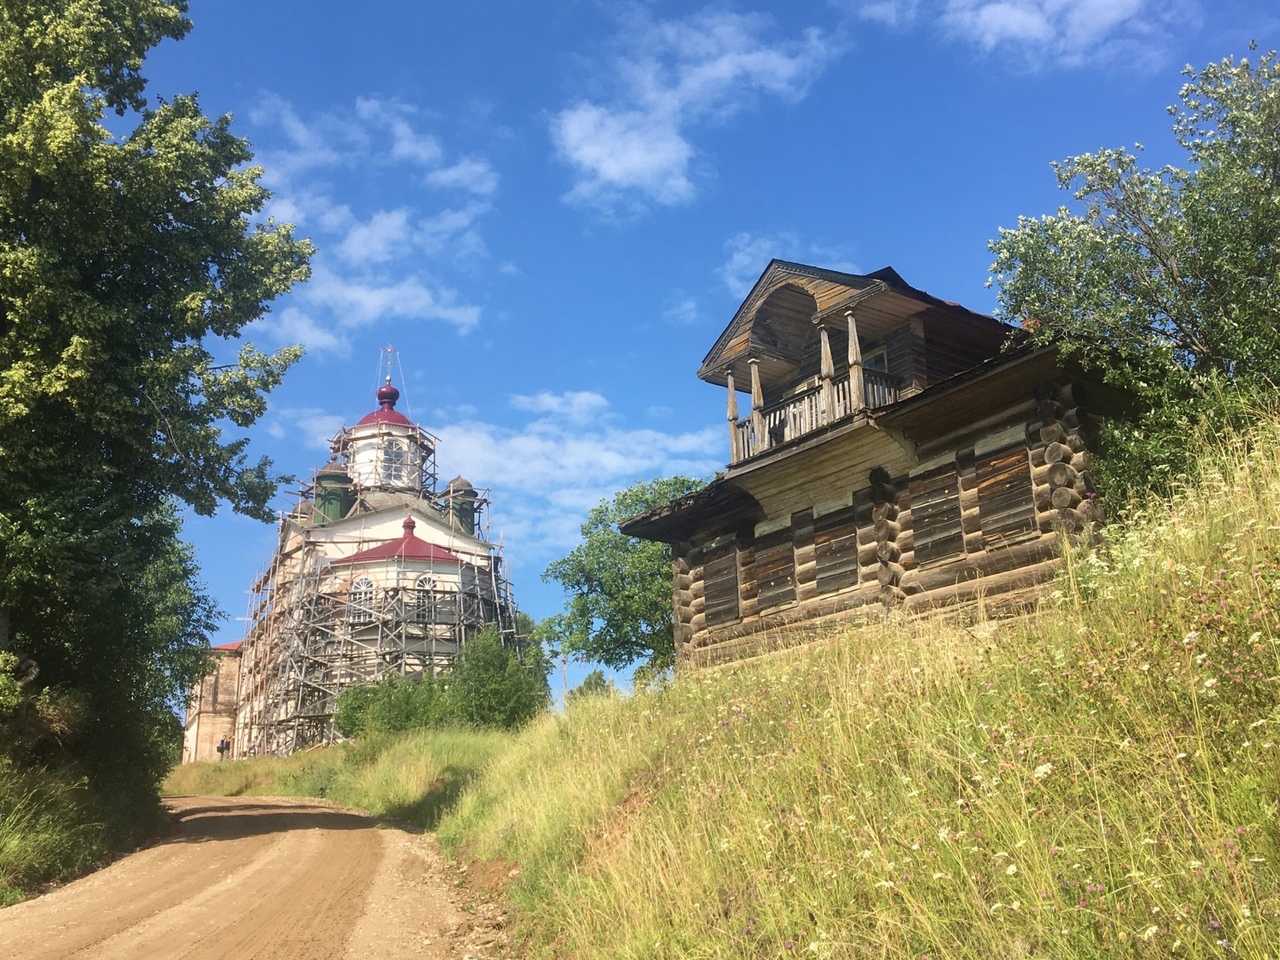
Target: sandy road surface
253 877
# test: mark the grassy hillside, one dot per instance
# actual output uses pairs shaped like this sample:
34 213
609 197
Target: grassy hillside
1101 780
412 777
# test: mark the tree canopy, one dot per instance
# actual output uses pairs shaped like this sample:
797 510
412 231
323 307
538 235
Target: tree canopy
618 610
489 685
132 256
1166 280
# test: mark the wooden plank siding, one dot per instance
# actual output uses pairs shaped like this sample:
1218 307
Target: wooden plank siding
720 583
1006 497
775 568
835 546
935 515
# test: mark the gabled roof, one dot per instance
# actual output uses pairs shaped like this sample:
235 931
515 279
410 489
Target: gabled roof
408 547
776 319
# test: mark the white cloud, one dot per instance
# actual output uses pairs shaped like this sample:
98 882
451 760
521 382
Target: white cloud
383 236
634 148
470 173
683 312
314 427
1034 33
453 230
406 143
892 13
576 406
545 476
291 325
360 301
749 254
371 264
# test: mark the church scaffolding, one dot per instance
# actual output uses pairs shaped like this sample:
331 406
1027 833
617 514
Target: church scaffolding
376 572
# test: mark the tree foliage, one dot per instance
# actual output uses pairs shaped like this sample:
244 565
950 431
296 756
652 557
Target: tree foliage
490 685
594 684
132 256
1166 280
618 610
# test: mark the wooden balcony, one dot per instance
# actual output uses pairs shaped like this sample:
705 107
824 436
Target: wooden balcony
820 406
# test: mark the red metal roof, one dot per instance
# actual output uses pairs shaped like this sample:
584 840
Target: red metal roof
408 547
386 412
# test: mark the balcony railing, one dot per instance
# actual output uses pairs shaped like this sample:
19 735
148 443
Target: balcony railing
808 411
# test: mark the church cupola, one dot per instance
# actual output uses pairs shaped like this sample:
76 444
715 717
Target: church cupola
386 450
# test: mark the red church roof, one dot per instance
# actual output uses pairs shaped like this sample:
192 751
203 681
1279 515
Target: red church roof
229 646
408 547
386 412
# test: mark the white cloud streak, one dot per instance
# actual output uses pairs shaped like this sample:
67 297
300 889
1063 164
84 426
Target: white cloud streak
748 254
378 264
1039 33
634 148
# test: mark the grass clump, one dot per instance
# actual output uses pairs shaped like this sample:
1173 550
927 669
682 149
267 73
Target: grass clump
410 776
1101 779
47 829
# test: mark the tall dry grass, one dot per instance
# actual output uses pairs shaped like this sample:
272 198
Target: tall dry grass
1101 779
413 776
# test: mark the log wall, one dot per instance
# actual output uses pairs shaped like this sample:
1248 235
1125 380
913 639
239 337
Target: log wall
979 522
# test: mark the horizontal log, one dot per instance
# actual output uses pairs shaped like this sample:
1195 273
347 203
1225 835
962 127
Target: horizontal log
978 566
887 530
888 552
1064 498
1076 417
1073 395
986 592
884 511
890 573
1062 474
892 594
1056 452
1052 432
1076 442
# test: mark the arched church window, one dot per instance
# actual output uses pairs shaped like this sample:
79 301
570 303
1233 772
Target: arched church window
424 599
395 461
361 600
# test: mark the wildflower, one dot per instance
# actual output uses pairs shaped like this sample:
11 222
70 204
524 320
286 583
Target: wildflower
1011 869
1043 770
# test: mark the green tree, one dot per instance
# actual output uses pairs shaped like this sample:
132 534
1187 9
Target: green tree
130 263
618 610
1165 280
594 684
491 685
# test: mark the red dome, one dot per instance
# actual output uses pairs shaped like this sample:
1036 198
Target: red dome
386 412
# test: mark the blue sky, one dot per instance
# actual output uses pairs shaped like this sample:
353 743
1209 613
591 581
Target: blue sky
552 209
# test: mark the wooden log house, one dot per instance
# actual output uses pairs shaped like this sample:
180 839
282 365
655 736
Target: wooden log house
896 450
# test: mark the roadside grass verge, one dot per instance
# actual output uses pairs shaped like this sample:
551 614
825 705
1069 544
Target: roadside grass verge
47 829
410 776
1100 779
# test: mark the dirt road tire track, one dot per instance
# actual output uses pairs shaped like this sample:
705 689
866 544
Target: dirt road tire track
248 878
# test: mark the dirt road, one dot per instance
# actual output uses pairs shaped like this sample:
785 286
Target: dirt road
255 877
